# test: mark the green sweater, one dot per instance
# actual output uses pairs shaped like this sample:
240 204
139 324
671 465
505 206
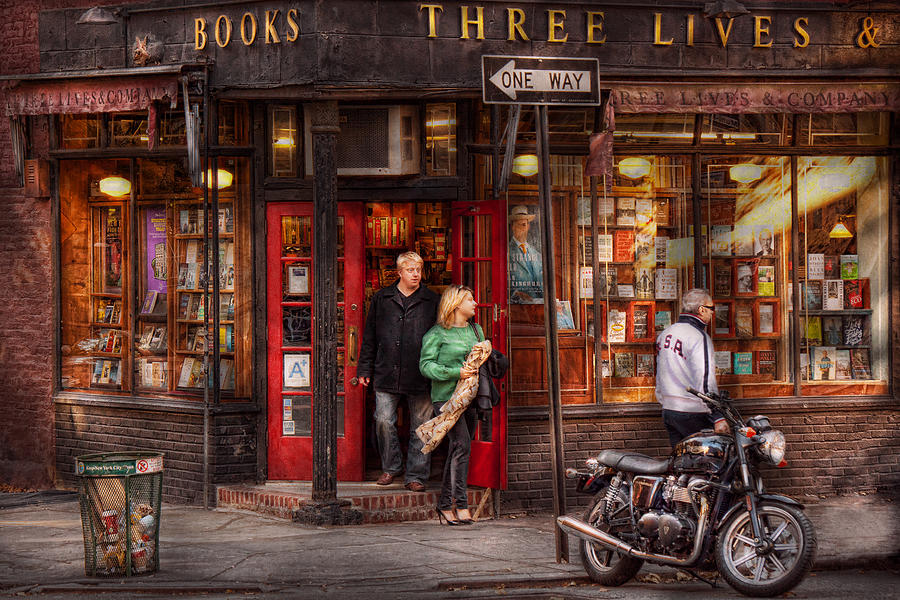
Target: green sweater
443 353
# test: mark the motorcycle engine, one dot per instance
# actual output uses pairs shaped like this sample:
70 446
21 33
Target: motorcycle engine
675 531
672 524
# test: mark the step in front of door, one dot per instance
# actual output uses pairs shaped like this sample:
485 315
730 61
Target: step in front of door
376 505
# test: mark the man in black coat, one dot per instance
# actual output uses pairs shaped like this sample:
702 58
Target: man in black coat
398 318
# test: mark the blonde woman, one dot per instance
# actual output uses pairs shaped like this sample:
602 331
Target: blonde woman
444 350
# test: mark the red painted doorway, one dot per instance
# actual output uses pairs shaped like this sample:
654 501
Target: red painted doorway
479 261
289 260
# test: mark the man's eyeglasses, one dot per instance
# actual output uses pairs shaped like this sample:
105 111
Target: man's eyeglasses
709 307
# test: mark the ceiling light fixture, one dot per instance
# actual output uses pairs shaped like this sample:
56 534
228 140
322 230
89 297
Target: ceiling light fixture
634 167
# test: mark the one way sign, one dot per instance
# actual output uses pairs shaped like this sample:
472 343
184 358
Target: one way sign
536 80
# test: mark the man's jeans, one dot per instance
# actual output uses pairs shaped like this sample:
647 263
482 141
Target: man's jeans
418 465
682 424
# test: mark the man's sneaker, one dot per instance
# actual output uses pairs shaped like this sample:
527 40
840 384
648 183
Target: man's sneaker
415 486
385 479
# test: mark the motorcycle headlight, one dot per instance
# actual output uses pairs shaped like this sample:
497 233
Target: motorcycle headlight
772 447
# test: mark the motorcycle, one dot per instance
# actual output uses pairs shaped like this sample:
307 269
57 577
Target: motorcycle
705 501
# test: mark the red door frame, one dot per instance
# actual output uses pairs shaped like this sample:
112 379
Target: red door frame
290 457
487 465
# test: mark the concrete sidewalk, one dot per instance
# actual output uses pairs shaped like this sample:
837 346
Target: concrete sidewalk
41 551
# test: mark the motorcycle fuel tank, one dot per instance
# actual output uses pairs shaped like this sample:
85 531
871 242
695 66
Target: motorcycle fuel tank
703 452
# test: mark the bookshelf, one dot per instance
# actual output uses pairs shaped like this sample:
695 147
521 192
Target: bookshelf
106 347
193 296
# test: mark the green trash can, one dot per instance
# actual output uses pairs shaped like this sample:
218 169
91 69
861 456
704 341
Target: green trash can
120 494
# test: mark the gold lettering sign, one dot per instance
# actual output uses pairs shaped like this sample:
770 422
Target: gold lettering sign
275 27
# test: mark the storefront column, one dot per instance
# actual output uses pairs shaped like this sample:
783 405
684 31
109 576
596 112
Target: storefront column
325 509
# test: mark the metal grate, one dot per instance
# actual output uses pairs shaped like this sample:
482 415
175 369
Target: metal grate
364 138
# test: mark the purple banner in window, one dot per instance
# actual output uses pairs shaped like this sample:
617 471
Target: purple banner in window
156 250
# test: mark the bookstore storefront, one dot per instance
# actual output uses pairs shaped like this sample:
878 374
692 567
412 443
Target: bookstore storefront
778 194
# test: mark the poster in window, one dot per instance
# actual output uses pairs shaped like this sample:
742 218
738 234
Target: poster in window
111 228
564 319
155 249
298 279
296 370
524 261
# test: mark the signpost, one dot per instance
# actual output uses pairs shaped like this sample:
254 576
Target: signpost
541 82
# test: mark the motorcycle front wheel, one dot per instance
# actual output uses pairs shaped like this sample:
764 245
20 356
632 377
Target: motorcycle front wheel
603 565
769 573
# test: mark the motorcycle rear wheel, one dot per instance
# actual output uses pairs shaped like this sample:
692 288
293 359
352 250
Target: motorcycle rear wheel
775 572
603 565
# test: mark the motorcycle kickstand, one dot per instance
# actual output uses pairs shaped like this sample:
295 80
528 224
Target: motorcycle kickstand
701 578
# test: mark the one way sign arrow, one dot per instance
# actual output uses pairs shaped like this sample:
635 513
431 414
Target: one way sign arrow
535 80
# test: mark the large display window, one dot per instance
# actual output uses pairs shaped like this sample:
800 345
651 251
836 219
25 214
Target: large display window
731 228
154 285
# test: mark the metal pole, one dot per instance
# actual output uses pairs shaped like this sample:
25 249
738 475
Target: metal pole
799 301
206 415
557 452
324 132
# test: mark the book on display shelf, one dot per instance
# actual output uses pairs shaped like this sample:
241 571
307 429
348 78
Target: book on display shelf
765 280
767 318
723 321
616 320
849 266
722 280
666 284
812 293
855 328
766 362
722 360
623 250
661 320
661 243
745 277
842 370
804 366
832 334
662 212
643 246
833 294
832 266
644 283
764 240
813 331
624 364
625 290
743 320
149 304
823 358
743 363
625 209
720 240
645 365
859 363
815 266
643 211
853 293
605 247
742 240
608 277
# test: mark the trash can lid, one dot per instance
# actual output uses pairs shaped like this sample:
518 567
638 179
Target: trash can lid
118 463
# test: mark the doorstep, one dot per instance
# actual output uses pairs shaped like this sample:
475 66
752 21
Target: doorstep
377 503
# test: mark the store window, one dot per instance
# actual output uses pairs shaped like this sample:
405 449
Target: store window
440 139
756 129
138 279
843 233
284 142
843 129
746 229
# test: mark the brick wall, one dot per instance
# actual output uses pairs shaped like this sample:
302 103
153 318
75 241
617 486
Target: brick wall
86 427
832 452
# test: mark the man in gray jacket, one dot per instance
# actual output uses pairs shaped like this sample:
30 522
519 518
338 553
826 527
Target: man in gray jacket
685 359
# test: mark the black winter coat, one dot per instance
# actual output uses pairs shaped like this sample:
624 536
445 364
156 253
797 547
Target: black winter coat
392 340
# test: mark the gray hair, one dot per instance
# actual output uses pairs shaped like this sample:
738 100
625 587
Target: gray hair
693 299
409 257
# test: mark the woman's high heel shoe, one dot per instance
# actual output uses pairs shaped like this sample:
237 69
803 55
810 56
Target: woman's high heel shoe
462 521
443 519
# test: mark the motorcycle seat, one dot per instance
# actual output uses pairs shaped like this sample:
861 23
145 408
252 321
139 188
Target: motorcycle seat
633 462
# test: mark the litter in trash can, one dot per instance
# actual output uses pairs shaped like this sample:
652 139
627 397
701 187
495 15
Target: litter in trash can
120 494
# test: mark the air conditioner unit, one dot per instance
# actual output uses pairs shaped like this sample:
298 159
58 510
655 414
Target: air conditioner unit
374 140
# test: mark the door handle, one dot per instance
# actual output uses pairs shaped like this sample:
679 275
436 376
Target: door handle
355 381
353 346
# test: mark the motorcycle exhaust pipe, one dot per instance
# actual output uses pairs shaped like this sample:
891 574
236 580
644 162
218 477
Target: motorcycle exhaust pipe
587 532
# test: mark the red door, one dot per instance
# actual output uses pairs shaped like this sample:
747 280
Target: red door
290 315
479 253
